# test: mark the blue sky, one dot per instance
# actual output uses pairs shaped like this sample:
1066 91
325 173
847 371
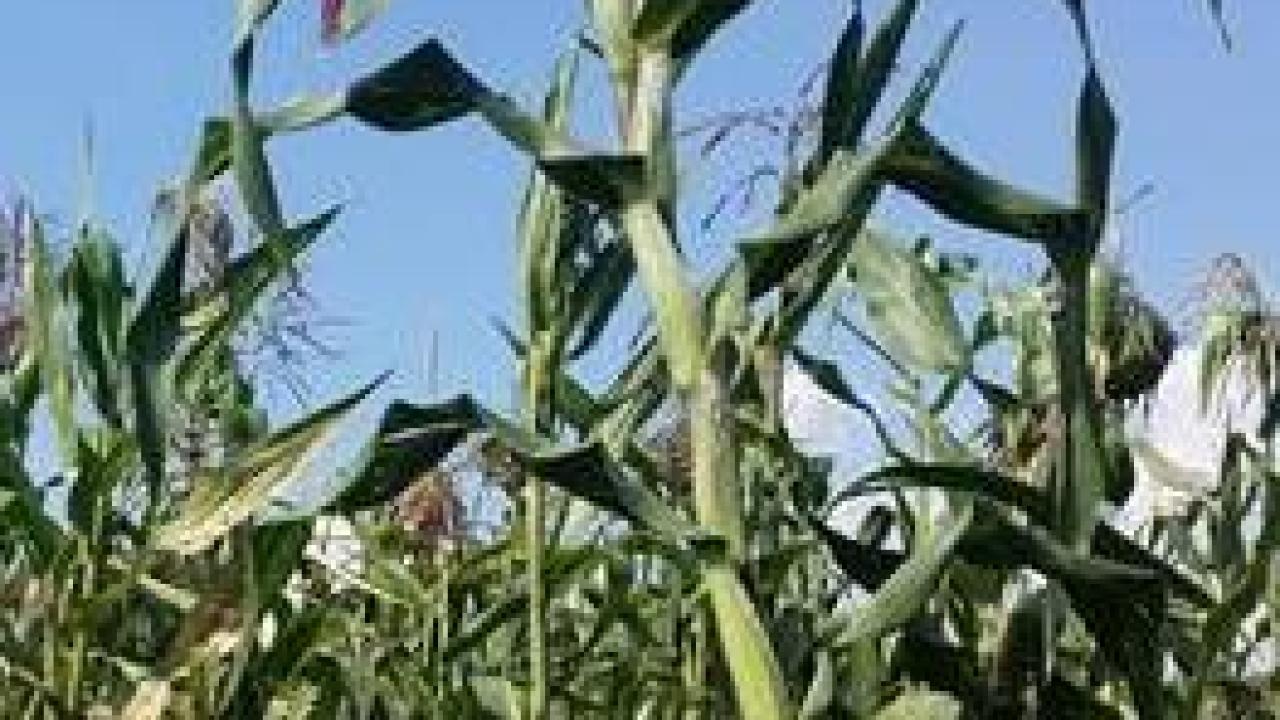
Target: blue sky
426 243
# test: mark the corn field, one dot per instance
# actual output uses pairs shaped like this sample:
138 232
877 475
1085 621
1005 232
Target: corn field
661 543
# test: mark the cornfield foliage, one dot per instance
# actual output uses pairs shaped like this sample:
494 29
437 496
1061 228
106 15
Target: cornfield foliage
670 550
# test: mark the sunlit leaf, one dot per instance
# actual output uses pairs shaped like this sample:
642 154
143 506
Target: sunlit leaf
909 306
228 499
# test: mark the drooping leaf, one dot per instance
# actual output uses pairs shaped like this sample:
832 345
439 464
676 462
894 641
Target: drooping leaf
409 441
1122 605
423 88
587 472
428 87
866 563
827 376
1109 544
924 167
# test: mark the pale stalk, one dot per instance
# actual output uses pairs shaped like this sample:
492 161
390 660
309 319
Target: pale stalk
698 382
536 406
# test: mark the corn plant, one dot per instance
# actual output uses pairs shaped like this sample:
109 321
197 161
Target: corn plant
746 524
670 549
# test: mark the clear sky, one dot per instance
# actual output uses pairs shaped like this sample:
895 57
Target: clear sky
426 243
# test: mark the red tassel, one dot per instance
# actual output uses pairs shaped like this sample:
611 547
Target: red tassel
330 20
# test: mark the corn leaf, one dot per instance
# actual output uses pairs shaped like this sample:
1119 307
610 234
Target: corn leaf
248 153
223 502
428 87
911 585
409 441
909 306
921 165
683 26
857 81
47 316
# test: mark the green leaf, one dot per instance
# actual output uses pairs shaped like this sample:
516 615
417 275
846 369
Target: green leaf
23 509
598 294
227 499
683 26
303 113
499 697
545 225
277 551
409 441
857 82
248 153
428 87
1096 145
587 472
846 178
98 287
911 585
214 155
839 200
46 321
909 306
924 167
822 689
151 337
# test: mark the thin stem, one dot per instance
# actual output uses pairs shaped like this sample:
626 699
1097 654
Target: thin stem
538 405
